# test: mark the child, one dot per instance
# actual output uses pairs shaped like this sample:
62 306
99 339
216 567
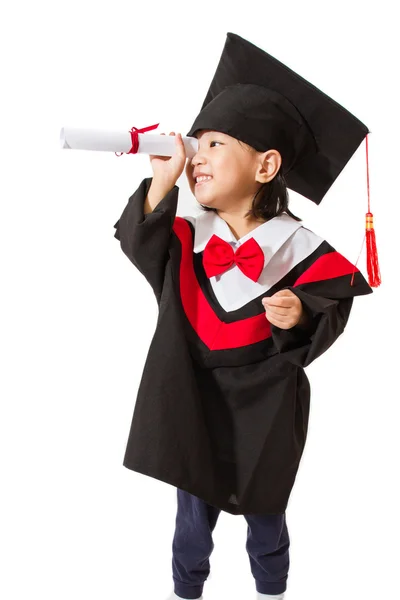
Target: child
247 298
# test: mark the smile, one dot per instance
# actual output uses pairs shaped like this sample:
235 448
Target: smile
203 181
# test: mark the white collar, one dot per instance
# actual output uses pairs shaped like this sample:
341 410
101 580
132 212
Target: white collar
270 235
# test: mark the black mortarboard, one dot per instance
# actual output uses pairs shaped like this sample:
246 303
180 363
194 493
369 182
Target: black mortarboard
257 99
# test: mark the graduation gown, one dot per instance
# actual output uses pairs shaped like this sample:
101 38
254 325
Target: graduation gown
222 407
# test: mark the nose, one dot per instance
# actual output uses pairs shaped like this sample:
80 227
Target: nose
196 160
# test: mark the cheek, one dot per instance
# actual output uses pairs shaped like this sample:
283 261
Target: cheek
236 178
229 173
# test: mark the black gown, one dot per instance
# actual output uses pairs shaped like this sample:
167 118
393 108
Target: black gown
223 403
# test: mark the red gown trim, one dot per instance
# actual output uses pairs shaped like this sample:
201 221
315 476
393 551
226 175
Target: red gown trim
213 332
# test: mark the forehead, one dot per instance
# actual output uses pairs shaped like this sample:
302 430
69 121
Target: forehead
205 133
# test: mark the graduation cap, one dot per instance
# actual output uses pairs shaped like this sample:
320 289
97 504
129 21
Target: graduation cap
258 100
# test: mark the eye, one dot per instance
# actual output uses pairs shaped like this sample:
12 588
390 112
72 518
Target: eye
215 142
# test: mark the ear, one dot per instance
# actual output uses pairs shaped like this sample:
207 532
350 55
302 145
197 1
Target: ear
268 164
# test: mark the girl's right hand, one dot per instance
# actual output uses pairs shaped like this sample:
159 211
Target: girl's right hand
168 169
189 174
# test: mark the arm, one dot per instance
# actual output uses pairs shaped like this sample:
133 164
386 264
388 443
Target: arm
145 236
154 196
323 322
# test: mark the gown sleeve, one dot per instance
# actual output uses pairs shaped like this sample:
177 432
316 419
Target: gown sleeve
327 304
326 320
145 238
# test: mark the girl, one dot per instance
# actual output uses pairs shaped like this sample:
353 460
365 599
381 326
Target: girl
247 298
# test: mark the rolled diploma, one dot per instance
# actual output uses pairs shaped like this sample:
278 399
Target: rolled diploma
120 141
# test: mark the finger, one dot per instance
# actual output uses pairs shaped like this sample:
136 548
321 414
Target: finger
279 322
189 171
282 299
274 310
278 302
180 147
284 293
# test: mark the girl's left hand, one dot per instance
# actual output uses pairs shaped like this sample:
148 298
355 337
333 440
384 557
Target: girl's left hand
284 309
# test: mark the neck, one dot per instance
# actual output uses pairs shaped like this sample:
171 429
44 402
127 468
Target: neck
238 224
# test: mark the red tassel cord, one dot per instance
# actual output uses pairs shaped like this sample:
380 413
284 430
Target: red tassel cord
374 276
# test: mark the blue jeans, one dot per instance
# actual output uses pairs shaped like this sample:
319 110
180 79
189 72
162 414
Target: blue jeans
267 546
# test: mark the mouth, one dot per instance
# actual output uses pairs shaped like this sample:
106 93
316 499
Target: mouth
202 182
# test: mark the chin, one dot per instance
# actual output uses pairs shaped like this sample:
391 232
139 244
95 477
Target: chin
209 204
207 199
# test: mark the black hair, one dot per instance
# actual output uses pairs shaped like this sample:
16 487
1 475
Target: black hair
271 199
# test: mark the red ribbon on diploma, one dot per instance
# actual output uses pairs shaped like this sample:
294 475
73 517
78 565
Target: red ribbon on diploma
135 138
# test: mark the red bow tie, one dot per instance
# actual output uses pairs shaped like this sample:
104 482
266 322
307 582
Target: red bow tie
219 256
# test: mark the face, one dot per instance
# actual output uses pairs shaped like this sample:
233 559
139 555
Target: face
232 167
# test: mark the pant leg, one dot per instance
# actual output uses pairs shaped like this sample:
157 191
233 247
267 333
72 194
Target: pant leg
268 549
192 544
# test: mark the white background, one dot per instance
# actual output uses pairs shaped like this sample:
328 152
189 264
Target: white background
77 318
